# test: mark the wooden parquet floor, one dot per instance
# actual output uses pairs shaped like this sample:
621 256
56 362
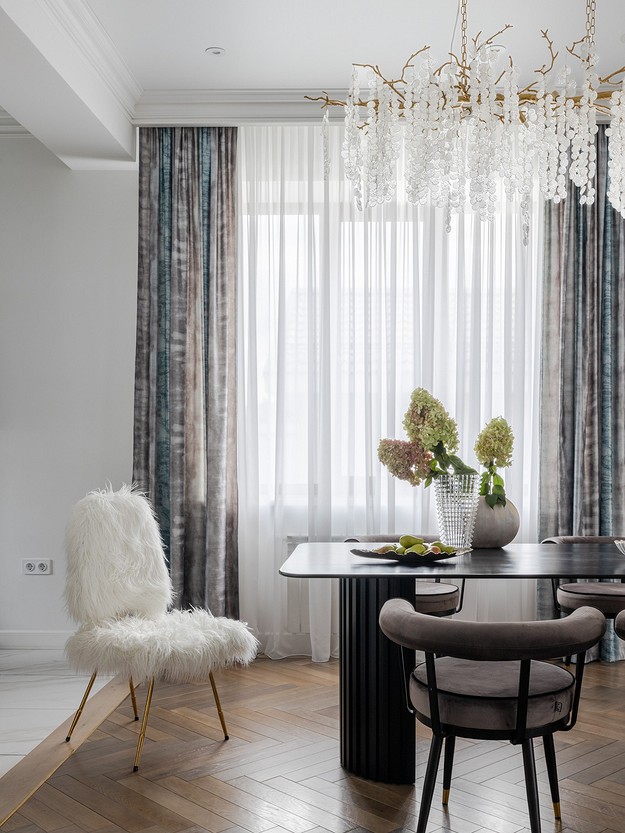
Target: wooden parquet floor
280 772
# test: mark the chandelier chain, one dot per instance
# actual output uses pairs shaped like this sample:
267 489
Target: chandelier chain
591 8
463 31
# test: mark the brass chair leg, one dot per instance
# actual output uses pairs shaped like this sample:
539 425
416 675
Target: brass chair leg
82 705
222 719
133 697
144 724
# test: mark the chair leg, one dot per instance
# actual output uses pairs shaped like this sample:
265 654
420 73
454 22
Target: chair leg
82 705
429 782
222 719
531 784
144 724
450 744
133 698
552 772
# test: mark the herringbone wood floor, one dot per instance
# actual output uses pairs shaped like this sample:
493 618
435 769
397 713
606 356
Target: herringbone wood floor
280 772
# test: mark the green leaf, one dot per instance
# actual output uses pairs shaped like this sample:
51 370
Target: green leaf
498 480
459 466
491 500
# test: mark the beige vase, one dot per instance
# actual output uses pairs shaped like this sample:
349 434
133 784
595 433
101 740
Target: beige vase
495 526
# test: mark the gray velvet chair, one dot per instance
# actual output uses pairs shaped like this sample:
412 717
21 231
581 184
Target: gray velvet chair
489 680
435 598
608 597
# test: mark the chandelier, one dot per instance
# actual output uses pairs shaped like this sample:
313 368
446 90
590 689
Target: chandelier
467 124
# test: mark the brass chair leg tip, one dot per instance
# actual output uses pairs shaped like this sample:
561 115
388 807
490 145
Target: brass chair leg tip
556 810
445 796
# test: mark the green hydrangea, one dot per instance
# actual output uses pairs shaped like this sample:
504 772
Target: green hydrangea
493 448
427 422
494 444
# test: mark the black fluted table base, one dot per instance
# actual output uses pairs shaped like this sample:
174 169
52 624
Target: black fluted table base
377 730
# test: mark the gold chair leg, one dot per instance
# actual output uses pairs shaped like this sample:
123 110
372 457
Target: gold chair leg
82 705
133 697
144 724
222 719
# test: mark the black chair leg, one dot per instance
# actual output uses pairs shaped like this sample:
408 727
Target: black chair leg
429 782
450 745
531 784
552 772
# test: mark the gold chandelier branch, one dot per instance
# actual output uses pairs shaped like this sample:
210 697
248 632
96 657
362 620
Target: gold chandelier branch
572 49
607 79
545 70
391 83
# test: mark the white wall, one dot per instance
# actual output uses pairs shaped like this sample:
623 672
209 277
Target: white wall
68 243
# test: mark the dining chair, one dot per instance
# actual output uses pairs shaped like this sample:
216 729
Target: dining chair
491 681
606 596
435 598
119 590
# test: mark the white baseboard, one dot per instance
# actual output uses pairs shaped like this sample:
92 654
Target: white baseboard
10 640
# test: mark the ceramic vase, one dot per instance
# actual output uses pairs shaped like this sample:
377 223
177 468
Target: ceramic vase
495 526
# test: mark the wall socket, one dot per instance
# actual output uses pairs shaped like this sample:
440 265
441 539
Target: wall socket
36 566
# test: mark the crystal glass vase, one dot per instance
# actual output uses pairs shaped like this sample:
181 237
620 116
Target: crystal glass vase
456 499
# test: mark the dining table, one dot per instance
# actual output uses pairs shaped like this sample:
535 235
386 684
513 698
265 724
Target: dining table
377 729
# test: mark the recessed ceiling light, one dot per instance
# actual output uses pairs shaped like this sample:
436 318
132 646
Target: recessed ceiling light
215 50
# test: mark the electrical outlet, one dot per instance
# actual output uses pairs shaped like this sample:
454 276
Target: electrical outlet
36 566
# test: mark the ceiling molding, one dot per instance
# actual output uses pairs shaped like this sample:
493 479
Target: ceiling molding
83 28
229 107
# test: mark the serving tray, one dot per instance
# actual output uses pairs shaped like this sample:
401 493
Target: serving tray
412 559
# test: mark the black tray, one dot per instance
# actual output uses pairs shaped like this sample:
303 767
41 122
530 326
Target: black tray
411 559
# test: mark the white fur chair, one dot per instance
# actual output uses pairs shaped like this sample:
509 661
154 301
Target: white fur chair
118 589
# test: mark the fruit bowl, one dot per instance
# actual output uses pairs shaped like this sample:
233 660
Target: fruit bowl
410 559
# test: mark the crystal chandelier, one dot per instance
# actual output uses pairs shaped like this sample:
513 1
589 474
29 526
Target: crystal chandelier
465 125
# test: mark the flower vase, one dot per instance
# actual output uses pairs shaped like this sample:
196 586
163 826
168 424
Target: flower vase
456 499
495 526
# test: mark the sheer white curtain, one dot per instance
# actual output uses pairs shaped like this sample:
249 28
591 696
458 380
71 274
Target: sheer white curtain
341 315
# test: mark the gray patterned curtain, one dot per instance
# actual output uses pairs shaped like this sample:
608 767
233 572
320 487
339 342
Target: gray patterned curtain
185 383
582 473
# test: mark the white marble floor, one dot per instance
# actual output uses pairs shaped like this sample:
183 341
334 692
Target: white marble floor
38 691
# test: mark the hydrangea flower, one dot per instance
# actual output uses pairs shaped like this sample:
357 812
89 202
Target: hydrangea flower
405 460
432 441
493 448
427 422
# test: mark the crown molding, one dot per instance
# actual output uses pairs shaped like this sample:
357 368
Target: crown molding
10 127
230 107
80 25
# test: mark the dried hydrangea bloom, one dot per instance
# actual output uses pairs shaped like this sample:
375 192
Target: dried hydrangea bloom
405 460
427 423
494 444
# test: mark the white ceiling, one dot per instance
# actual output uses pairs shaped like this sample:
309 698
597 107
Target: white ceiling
81 74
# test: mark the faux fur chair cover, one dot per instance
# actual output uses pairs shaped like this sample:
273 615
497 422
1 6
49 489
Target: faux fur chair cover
118 589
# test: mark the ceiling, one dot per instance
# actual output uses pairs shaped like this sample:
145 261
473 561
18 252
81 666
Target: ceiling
80 75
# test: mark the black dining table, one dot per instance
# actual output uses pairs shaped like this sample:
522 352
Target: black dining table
376 729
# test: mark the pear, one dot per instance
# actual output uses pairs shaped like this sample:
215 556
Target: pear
410 540
417 549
